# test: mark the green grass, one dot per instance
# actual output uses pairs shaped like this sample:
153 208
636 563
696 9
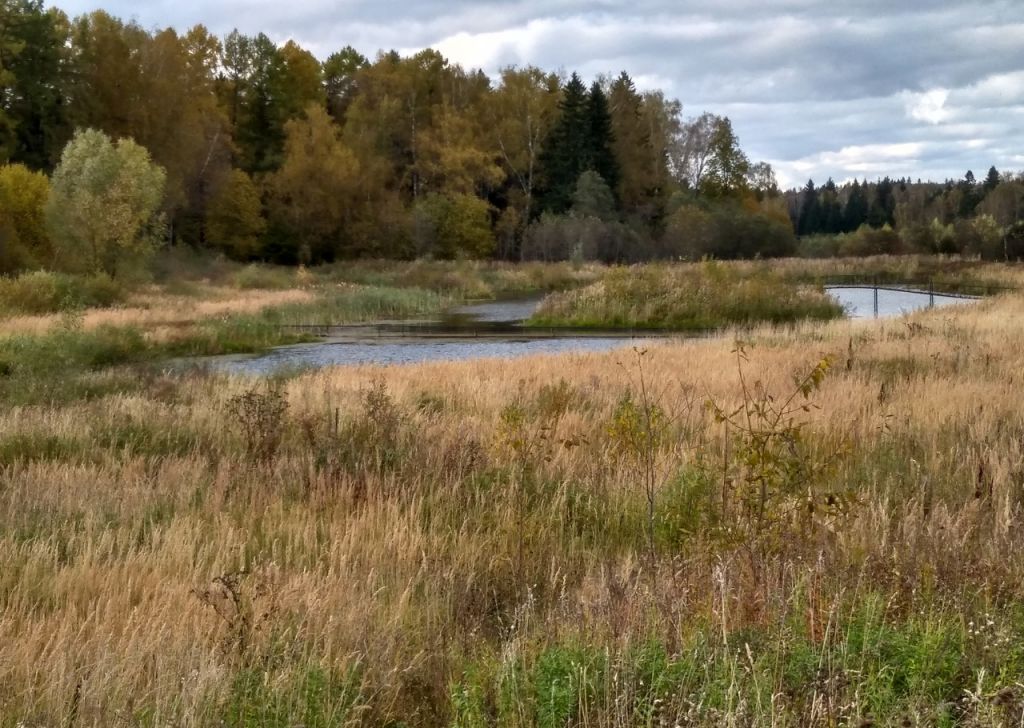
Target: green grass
872 667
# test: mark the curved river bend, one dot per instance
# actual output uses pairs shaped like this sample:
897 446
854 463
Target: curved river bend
493 329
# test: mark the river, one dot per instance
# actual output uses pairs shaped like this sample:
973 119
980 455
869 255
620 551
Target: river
494 329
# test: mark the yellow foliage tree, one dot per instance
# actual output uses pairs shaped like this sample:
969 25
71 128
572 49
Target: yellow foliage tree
315 193
234 219
23 239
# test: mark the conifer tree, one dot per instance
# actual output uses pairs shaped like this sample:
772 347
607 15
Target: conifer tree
567 150
991 179
601 155
810 210
856 212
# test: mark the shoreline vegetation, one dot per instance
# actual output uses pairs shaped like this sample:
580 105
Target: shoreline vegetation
818 524
67 336
686 298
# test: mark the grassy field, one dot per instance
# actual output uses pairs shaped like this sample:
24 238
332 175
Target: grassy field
814 526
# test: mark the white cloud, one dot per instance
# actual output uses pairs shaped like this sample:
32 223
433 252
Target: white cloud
929 106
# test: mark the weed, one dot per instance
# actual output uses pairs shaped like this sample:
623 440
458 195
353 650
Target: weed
259 415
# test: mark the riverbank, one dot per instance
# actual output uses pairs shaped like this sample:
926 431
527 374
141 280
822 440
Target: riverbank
88 336
574 539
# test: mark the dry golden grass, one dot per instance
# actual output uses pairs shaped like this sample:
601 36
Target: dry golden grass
430 530
155 309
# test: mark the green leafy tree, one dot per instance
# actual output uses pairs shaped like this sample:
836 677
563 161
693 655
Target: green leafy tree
102 213
762 181
234 219
10 48
340 71
728 167
31 82
520 114
396 106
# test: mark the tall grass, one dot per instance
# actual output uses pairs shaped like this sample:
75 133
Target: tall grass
469 544
702 296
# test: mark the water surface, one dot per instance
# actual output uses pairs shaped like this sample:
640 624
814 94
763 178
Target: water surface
494 329
859 302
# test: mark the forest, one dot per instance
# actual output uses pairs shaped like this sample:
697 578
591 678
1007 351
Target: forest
117 141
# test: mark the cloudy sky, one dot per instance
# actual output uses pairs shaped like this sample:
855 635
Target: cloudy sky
922 88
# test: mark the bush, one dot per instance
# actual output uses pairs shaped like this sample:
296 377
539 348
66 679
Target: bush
42 292
872 241
819 246
257 276
726 231
581 238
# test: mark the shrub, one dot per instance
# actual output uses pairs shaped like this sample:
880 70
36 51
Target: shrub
256 276
583 238
872 241
259 416
43 292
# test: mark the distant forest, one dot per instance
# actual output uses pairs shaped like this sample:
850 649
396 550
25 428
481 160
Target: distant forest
116 140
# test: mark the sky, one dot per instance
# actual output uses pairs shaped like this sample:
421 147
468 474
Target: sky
842 88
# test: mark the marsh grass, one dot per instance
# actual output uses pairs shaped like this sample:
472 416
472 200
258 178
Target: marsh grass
686 297
468 544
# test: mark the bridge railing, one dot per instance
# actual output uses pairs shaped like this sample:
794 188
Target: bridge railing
935 286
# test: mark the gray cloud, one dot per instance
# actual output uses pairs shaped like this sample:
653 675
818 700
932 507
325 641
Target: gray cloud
861 88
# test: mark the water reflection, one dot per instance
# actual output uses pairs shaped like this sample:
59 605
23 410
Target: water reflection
869 302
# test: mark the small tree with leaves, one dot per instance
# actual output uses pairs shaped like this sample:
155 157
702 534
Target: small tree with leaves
103 209
772 480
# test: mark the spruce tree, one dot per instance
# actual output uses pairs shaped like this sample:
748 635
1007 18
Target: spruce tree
856 211
810 210
640 173
601 154
883 206
831 221
566 153
991 179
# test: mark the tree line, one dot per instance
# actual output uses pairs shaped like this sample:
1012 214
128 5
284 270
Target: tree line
115 140
964 216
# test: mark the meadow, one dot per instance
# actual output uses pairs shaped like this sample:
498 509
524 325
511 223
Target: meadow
815 524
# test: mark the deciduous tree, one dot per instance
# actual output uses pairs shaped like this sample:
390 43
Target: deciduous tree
24 242
103 204
234 218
